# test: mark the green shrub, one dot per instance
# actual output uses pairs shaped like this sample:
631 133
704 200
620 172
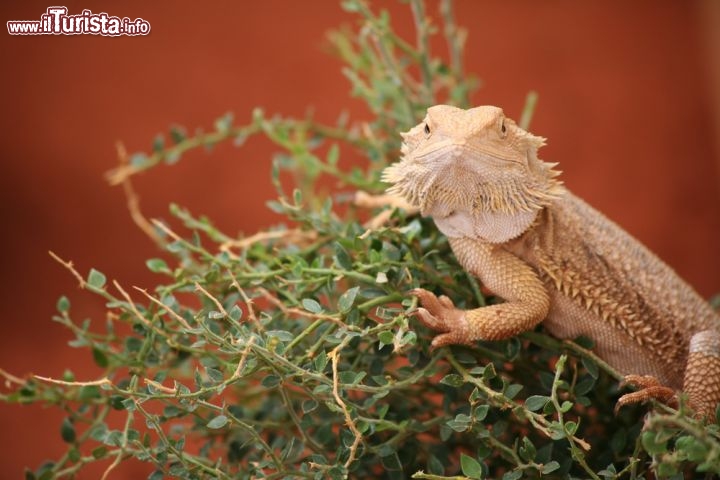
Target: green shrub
292 354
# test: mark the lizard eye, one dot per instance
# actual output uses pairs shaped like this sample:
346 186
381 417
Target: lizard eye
503 129
427 129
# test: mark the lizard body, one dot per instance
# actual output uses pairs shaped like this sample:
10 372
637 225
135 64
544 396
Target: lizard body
551 257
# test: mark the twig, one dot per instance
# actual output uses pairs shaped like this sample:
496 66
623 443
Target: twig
170 311
217 303
422 28
133 200
69 266
166 230
294 236
249 303
528 110
102 381
333 355
160 386
10 378
133 308
243 358
298 311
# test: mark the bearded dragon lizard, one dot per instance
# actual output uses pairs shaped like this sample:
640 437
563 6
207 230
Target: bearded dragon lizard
552 258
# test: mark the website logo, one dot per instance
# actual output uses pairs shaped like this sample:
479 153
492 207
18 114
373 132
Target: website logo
56 21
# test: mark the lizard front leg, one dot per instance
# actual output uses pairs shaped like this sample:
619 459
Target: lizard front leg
526 300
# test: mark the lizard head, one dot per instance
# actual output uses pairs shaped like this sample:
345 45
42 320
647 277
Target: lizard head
474 171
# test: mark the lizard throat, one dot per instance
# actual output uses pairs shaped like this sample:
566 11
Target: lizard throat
459 189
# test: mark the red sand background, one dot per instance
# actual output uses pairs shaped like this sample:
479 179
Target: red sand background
629 95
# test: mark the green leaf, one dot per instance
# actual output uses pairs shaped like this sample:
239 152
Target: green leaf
471 468
333 154
99 452
585 385
550 467
435 466
591 367
74 455
138 160
571 427
386 337
342 257
320 362
347 299
692 447
171 411
215 375
235 313
172 156
218 422
391 462
100 358
309 405
453 379
271 381
513 390
156 475
114 438
481 412
177 134
96 279
63 304
67 430
311 305
224 123
527 450
460 423
282 335
536 402
88 392
158 143
157 265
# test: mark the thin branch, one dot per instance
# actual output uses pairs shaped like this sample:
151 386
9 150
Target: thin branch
422 28
102 381
249 303
133 201
217 303
69 265
133 308
333 355
298 311
243 358
169 310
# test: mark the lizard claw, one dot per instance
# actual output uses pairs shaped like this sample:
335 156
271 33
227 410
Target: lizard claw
428 319
440 314
446 302
650 388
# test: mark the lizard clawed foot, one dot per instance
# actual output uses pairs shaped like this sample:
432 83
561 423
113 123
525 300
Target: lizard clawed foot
649 389
440 314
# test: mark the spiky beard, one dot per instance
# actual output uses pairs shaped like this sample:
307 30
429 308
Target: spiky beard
459 184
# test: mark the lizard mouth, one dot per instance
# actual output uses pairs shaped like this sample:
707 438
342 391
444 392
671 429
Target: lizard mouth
463 152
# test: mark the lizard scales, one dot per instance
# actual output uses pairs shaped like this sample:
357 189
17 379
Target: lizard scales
551 257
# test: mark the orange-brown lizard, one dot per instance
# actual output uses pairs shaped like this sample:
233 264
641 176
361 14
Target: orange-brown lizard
551 257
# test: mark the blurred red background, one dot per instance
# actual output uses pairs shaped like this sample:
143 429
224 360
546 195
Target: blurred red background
629 100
